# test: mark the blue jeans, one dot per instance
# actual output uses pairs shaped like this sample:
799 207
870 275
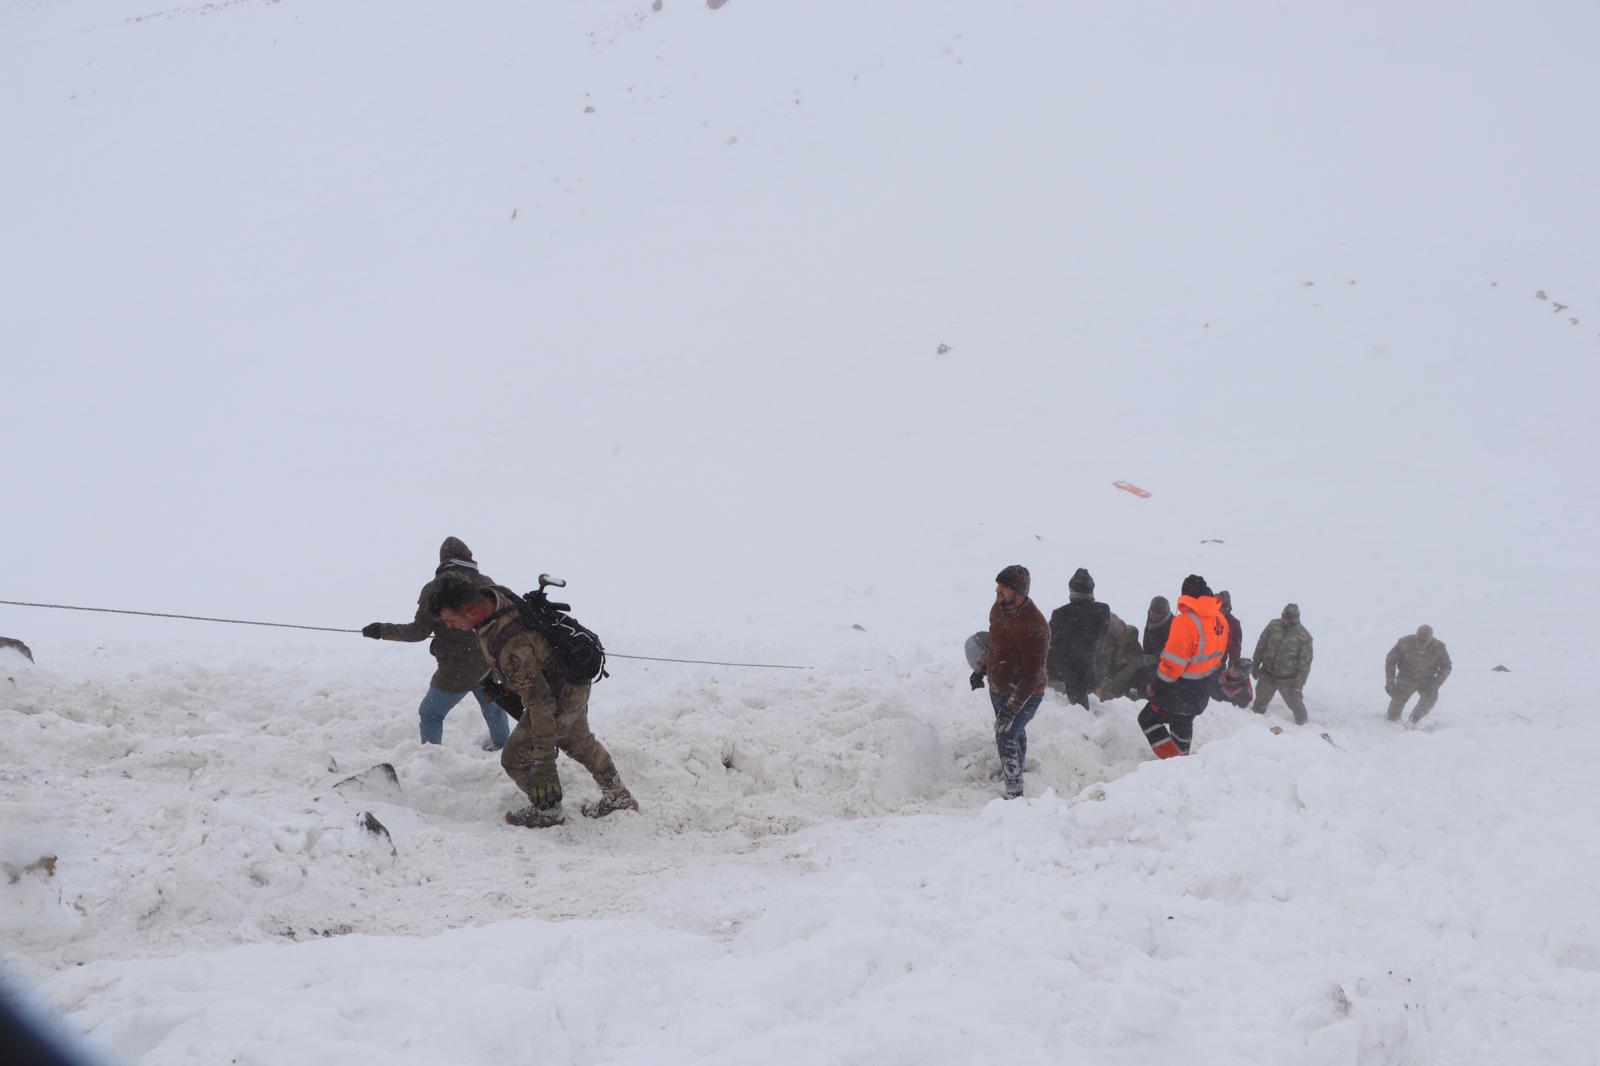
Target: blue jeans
1012 742
436 704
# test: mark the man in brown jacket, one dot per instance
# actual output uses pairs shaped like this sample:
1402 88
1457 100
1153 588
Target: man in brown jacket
1415 664
555 714
1019 640
462 667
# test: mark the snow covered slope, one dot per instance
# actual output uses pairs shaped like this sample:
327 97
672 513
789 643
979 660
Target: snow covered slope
762 323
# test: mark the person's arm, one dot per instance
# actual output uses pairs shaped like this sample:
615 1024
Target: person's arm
1305 664
1391 668
1261 651
1055 662
521 664
1182 640
419 628
1444 668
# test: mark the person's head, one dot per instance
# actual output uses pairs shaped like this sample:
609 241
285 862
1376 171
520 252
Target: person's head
1195 585
1011 585
1160 609
459 603
1291 614
1227 599
454 548
1424 635
1081 587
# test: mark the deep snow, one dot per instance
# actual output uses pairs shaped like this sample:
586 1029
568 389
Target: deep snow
293 290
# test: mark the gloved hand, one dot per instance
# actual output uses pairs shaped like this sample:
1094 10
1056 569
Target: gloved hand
976 680
544 786
1255 673
504 698
375 631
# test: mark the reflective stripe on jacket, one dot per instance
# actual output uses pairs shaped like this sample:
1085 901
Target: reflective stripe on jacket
1197 642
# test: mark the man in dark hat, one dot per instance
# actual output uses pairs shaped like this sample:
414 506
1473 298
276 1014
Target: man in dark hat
461 665
1076 629
1019 640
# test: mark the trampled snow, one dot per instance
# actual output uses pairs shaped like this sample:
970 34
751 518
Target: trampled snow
777 329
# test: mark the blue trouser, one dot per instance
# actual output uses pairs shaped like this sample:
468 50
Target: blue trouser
437 704
1012 741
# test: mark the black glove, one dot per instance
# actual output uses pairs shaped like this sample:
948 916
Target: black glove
504 698
976 680
375 631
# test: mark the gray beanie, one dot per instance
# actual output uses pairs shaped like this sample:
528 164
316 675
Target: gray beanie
454 548
1015 576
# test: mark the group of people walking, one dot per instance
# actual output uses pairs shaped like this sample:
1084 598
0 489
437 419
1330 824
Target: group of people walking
1182 660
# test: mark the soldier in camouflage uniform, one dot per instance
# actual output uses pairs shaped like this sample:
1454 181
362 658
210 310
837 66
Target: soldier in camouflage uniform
1416 664
1120 663
1282 663
555 714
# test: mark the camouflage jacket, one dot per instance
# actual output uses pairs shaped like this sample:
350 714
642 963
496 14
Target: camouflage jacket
1411 664
1119 657
1284 652
520 658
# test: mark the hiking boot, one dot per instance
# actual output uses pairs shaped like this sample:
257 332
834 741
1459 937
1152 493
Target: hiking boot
531 817
611 801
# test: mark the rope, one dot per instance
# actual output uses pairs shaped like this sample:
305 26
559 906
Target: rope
189 617
705 662
331 629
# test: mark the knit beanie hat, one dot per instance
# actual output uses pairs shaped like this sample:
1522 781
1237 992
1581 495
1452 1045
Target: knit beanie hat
1291 612
1081 582
454 548
1195 585
1015 576
1162 605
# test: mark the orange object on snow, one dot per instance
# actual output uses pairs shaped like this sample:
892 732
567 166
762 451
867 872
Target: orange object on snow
1128 486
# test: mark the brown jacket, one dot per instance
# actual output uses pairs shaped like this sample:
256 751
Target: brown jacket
520 658
461 662
1019 641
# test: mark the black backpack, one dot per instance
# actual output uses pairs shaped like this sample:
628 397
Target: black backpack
580 654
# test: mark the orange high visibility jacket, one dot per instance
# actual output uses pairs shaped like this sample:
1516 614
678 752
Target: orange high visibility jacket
1197 642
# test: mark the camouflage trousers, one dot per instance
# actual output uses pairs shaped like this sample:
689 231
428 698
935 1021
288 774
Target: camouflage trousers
1267 687
572 737
1403 692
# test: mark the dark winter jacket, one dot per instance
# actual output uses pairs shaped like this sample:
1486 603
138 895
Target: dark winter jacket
461 662
1076 629
1019 640
1235 640
1155 633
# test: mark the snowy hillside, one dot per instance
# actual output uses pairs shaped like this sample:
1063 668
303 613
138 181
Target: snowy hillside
778 328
